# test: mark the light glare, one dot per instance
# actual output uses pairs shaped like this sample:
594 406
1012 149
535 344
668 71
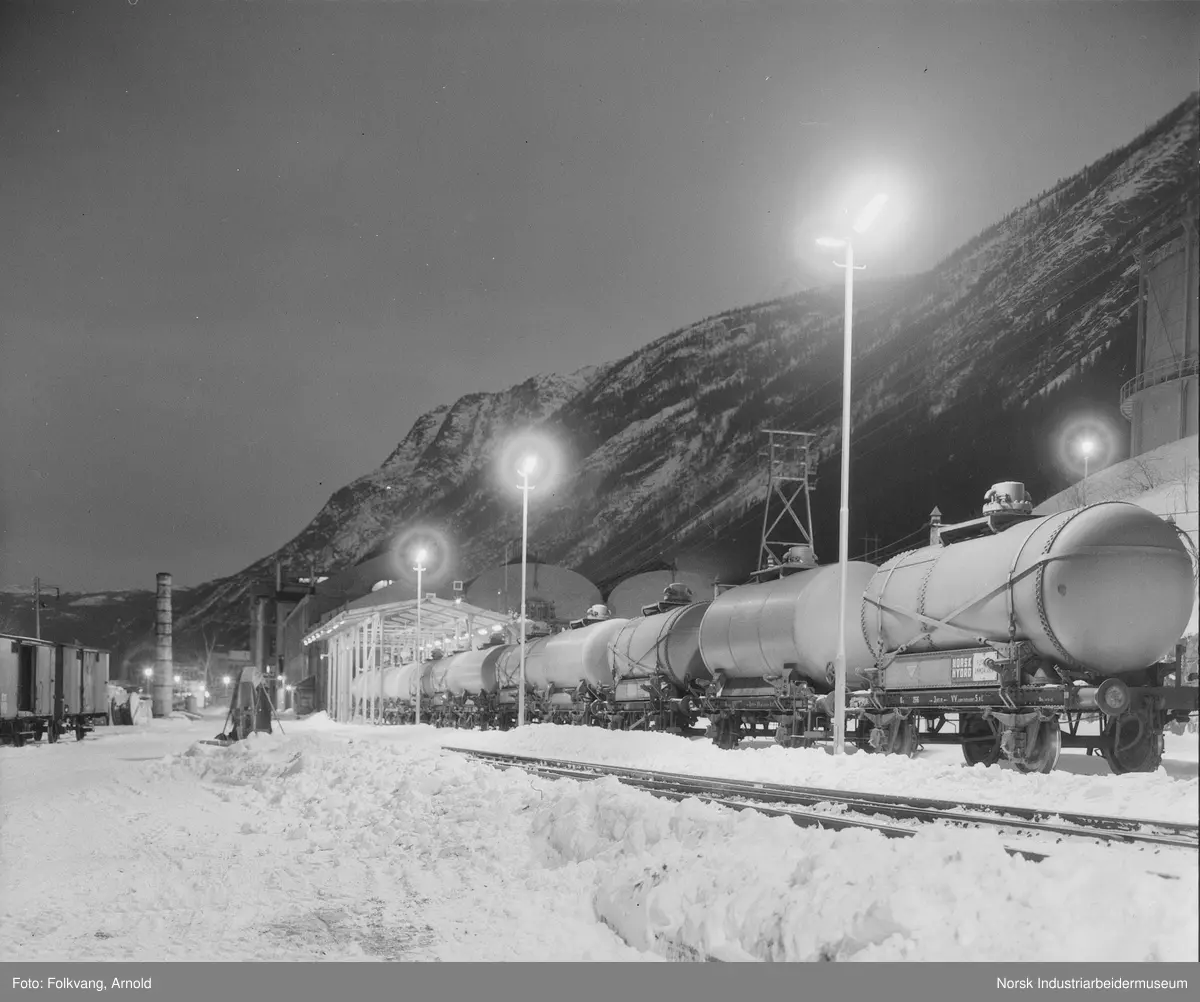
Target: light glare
869 213
830 242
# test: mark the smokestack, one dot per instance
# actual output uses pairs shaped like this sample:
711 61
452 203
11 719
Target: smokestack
935 527
162 693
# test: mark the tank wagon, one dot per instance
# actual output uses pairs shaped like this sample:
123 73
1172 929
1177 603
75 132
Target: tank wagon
50 689
1003 632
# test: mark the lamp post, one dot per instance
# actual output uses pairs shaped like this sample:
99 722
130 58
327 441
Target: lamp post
865 218
420 569
1086 447
525 468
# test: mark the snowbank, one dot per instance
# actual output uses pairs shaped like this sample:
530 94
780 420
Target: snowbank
937 772
344 842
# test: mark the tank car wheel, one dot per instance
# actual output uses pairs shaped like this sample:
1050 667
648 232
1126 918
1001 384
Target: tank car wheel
80 732
980 740
1046 746
18 738
52 732
1130 744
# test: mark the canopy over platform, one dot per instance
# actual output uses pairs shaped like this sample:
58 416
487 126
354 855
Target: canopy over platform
378 632
399 616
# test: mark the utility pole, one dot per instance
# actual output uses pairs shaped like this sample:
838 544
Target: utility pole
37 606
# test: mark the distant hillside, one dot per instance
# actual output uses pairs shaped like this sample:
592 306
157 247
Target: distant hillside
961 374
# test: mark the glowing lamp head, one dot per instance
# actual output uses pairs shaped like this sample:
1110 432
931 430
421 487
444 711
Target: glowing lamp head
225 679
147 672
177 680
527 465
830 242
1087 448
420 556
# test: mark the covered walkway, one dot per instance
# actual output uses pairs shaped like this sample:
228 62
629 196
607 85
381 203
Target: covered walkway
378 632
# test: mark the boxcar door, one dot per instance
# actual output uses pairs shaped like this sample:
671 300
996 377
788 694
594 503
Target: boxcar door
26 677
59 680
86 682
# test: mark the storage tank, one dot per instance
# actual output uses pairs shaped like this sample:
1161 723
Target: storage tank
769 628
1107 587
473 672
667 643
551 592
565 659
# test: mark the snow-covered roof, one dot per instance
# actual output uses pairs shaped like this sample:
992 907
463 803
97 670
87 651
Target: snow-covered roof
397 613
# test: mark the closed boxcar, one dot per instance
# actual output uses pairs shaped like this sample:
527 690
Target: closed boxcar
48 688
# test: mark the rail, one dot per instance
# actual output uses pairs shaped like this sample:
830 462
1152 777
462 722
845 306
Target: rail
1160 373
766 798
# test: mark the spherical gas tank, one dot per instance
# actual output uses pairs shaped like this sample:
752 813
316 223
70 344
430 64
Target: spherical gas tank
473 672
563 660
559 592
757 630
667 643
1107 588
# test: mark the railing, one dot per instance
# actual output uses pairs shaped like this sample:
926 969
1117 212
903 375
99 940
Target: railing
1161 373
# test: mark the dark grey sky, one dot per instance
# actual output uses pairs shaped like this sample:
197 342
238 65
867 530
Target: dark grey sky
244 245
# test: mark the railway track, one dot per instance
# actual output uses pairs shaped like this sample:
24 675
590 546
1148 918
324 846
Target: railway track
861 810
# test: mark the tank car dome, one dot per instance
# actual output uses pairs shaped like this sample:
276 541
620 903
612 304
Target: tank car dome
552 593
633 594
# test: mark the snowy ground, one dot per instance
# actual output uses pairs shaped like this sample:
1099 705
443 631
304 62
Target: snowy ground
341 842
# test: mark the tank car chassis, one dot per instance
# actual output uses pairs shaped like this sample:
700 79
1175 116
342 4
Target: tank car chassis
1010 705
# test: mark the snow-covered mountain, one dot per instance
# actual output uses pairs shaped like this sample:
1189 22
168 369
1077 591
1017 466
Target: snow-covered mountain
960 376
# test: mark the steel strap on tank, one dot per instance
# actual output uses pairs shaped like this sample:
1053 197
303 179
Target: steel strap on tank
1039 588
878 650
1010 591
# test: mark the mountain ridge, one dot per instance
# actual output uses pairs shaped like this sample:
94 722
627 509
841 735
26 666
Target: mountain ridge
1025 321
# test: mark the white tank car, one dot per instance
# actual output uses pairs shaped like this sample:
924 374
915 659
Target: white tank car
406 681
666 644
563 660
1107 588
768 629
473 672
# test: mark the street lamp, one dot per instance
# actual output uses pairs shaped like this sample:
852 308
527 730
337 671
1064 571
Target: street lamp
1087 448
865 218
420 568
148 672
525 468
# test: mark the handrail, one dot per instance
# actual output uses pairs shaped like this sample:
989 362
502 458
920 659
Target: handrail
1161 373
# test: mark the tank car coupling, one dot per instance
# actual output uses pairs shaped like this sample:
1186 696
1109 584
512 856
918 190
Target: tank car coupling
1007 496
1113 697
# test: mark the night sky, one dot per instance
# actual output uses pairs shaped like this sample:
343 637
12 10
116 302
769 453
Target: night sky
243 246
